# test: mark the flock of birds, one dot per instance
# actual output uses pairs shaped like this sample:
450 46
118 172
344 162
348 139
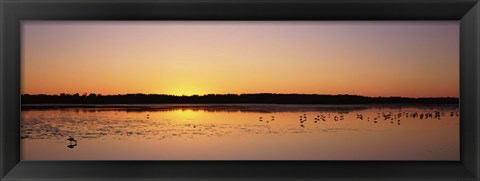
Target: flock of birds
392 117
338 117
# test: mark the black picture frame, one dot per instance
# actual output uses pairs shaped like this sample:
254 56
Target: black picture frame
12 12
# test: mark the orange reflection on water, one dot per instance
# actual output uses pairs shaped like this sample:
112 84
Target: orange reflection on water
242 132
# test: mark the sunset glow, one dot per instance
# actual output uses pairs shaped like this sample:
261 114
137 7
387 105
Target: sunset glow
396 58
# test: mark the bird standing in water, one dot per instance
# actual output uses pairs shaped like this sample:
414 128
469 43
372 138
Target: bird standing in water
71 139
70 145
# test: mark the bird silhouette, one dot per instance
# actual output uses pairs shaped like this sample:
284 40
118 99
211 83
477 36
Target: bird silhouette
71 139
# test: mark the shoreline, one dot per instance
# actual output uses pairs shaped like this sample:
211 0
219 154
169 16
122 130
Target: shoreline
233 107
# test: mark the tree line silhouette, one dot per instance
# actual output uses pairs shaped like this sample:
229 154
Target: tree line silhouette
261 98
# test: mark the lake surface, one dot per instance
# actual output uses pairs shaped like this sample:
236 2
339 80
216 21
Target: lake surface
240 132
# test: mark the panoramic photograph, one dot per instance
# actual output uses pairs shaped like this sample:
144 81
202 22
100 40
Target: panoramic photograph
240 90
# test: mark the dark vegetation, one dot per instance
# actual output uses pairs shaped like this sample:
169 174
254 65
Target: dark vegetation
262 98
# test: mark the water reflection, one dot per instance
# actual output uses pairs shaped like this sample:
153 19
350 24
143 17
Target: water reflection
259 108
305 123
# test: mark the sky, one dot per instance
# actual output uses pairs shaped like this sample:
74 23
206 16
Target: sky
369 58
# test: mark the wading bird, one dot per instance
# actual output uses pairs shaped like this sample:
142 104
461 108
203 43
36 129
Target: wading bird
71 139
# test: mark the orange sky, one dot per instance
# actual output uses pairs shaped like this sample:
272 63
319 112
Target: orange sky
371 58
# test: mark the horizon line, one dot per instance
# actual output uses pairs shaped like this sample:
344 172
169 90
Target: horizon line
225 94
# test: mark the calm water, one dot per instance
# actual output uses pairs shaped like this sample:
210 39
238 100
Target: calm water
241 132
